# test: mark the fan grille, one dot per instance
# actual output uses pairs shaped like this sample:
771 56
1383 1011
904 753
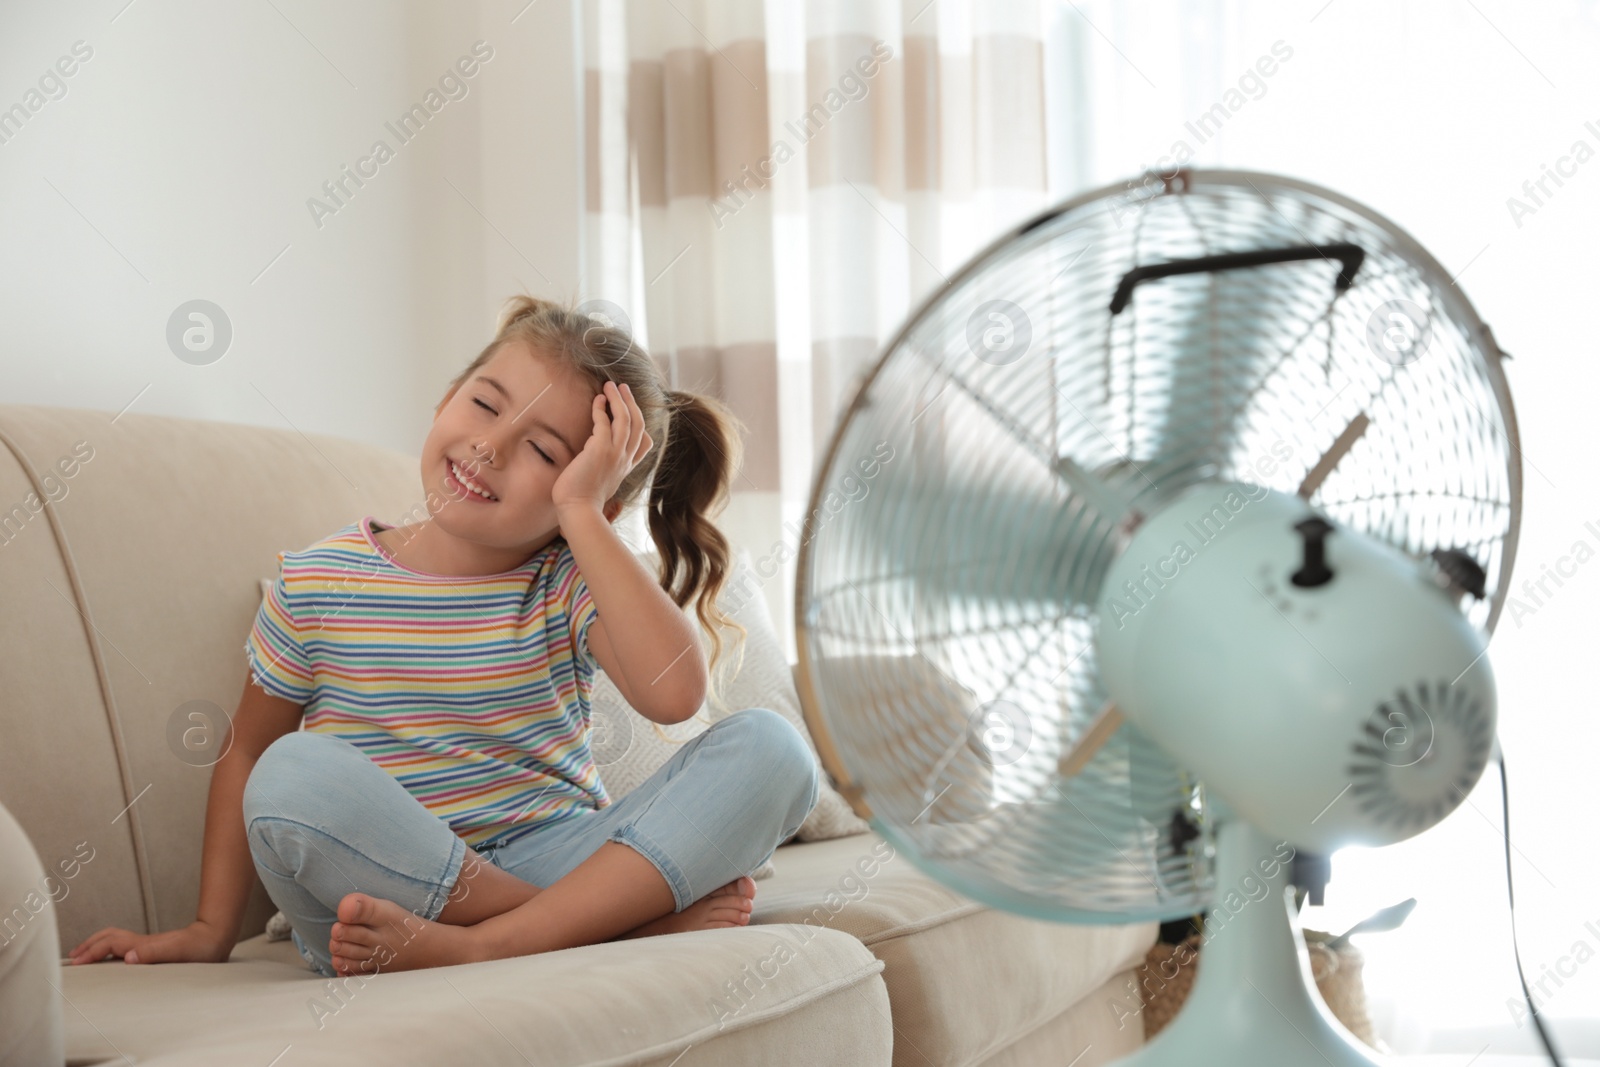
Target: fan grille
944 608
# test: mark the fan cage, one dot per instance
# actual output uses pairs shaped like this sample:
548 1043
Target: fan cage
945 615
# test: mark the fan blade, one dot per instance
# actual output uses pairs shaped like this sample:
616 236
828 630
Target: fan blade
1040 555
1387 919
1336 452
1105 724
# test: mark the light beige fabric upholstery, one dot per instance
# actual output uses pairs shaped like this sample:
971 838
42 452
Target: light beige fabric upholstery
933 768
629 748
130 595
1103 1026
641 1001
30 1010
965 980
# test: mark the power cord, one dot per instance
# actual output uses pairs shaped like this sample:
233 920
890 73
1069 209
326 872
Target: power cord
1511 900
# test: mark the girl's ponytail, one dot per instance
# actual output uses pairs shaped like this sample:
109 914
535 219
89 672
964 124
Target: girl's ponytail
698 460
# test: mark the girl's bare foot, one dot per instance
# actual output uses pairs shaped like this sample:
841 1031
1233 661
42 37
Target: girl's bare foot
728 905
374 935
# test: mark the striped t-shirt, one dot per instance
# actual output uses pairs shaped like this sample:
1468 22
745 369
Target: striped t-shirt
473 691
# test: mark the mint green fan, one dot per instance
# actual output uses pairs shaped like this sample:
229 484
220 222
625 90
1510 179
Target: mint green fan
1160 546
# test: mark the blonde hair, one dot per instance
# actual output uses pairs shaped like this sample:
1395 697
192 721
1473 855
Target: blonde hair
688 470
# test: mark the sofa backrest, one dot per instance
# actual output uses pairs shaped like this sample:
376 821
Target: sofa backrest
127 597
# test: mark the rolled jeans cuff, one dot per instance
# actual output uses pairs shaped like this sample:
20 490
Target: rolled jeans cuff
682 893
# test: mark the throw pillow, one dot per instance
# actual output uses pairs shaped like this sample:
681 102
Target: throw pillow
765 679
628 747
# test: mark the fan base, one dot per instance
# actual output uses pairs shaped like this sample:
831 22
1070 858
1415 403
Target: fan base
1254 1000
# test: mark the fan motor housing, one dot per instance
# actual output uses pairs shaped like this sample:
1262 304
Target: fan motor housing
1353 707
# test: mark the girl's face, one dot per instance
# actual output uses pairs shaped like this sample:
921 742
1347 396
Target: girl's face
510 429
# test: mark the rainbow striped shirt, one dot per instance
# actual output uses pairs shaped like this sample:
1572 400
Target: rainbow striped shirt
472 691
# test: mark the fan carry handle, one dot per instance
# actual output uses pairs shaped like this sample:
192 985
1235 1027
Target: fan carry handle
1349 257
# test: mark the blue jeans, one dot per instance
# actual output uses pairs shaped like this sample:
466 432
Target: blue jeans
324 820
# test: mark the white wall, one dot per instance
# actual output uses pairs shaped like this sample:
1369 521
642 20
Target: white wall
178 165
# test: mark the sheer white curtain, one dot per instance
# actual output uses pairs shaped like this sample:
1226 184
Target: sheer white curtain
772 188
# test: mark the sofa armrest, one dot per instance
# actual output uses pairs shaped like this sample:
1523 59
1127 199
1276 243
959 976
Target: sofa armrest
30 954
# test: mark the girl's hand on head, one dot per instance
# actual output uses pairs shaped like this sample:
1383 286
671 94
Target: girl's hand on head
618 443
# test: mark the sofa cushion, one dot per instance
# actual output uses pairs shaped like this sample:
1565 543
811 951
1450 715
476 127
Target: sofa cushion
753 671
31 1029
64 772
128 598
774 995
766 678
965 979
1101 1028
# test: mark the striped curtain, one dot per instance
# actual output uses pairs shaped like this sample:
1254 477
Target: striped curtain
772 189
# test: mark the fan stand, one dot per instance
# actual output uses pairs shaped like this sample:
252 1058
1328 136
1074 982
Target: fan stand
1253 999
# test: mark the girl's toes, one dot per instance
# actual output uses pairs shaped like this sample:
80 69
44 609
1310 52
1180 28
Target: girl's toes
356 908
345 966
731 914
349 949
355 935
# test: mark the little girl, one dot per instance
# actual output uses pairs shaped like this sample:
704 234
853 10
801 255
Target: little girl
419 694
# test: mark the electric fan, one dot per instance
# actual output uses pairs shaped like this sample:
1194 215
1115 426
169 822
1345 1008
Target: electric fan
1200 508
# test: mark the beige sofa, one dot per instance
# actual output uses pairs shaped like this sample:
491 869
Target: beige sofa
128 597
